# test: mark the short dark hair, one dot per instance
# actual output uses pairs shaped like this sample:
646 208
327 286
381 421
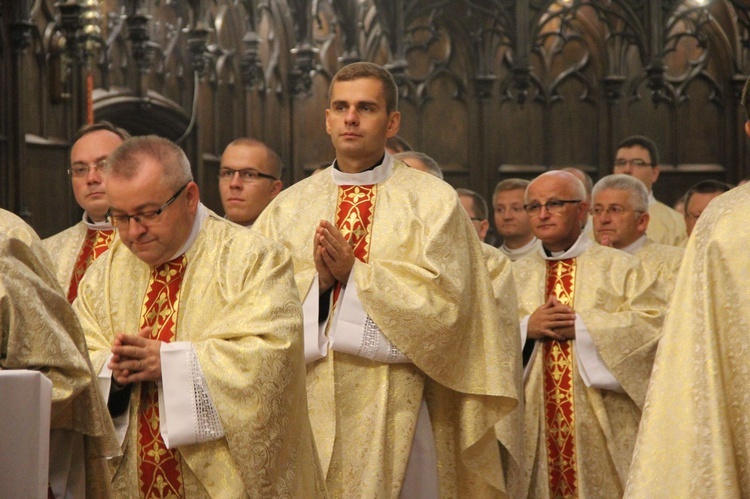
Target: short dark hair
706 187
102 125
644 142
478 204
274 161
359 70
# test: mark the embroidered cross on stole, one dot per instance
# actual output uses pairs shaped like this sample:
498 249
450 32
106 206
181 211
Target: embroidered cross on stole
355 209
159 468
95 243
559 407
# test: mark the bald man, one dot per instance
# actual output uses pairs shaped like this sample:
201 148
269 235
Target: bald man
590 328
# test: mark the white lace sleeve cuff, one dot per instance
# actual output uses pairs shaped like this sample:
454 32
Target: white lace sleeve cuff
316 342
187 414
354 332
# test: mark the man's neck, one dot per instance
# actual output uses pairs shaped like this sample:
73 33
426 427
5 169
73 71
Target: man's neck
517 241
358 165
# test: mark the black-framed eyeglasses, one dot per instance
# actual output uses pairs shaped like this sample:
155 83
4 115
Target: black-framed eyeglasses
553 206
144 217
246 174
79 169
635 162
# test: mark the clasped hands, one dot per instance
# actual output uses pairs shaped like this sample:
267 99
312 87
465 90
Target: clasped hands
135 358
553 320
333 256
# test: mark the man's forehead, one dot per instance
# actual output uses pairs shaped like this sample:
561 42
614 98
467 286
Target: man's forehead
512 195
359 90
634 150
249 154
612 196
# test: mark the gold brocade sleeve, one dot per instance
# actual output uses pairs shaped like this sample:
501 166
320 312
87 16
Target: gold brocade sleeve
666 226
694 439
63 249
623 312
40 331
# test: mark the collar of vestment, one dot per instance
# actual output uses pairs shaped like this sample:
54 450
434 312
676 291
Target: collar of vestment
518 251
579 247
651 198
200 216
372 176
104 225
635 245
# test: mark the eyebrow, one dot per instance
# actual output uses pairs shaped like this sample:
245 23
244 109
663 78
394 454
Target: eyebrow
100 158
358 103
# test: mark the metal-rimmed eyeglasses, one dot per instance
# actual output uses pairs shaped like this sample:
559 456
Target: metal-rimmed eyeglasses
614 209
80 169
635 162
552 206
246 174
143 218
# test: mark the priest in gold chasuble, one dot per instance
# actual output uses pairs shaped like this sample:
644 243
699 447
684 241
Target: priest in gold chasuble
40 331
194 326
410 361
694 438
590 322
73 249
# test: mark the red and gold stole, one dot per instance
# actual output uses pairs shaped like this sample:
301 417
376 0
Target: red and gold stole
559 409
355 209
95 243
159 468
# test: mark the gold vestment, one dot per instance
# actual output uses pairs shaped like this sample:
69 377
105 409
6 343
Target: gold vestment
426 287
662 262
666 225
40 331
614 299
694 439
240 310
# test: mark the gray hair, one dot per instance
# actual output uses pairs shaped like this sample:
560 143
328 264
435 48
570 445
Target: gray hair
637 191
126 160
430 163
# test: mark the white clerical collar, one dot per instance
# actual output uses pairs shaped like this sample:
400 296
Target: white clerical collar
635 245
515 253
651 198
582 244
104 225
368 177
200 216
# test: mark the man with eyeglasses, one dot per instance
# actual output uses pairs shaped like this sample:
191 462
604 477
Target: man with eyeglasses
194 326
511 220
249 179
590 326
75 248
638 157
620 213
411 360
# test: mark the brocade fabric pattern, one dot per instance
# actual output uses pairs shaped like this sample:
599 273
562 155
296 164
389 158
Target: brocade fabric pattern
694 439
95 243
426 286
159 468
615 299
239 310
